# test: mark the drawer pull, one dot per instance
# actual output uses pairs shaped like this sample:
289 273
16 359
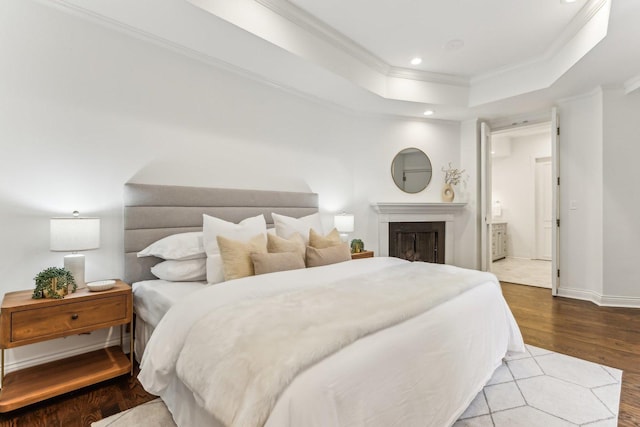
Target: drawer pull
74 316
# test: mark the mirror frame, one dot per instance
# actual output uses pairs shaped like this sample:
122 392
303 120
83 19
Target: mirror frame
429 165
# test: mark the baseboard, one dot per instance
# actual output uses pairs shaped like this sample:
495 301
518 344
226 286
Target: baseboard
599 299
39 359
614 301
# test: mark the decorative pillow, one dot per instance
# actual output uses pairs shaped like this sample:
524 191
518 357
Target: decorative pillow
319 241
236 255
181 246
213 227
331 255
295 244
190 270
286 225
281 261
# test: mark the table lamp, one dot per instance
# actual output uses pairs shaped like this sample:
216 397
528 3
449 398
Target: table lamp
344 223
75 234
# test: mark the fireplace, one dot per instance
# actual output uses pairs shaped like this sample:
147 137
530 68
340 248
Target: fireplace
418 241
391 212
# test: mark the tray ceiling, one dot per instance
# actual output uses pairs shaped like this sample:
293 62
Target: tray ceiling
517 57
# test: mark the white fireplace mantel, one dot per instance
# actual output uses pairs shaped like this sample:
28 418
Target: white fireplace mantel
417 208
417 212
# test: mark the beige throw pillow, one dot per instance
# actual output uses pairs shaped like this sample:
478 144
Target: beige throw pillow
236 255
272 262
213 227
318 241
295 244
325 256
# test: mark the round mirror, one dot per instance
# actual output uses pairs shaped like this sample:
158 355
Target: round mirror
411 170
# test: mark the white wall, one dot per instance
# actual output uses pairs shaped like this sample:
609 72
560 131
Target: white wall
469 222
513 184
621 198
381 140
84 109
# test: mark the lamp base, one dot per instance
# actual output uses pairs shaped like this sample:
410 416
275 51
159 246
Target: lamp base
75 264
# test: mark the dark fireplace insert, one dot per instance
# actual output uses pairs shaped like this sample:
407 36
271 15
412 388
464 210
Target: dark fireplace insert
417 241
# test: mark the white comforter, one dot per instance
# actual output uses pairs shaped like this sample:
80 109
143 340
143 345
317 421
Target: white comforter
332 400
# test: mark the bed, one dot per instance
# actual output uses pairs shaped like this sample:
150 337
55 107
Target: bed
421 365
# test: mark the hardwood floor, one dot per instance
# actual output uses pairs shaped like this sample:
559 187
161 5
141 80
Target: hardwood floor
610 336
82 407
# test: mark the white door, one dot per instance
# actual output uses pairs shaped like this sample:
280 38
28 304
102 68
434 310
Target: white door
485 197
543 202
555 205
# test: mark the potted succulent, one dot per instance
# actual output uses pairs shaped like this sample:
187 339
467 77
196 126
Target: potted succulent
357 246
53 282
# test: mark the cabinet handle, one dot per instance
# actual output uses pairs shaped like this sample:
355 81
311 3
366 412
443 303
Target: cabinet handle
74 316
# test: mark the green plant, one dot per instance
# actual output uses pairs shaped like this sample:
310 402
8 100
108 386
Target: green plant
53 282
357 246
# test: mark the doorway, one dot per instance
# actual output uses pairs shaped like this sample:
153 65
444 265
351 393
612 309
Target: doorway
521 205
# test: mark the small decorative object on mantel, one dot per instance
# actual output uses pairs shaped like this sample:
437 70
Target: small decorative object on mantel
357 246
452 176
53 282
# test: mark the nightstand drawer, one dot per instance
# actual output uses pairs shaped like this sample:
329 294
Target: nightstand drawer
66 318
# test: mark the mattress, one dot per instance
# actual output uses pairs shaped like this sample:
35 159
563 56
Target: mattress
151 300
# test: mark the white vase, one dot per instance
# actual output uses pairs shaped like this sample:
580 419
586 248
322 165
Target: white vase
447 193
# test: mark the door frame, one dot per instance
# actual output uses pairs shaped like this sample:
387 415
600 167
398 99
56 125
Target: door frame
555 203
485 199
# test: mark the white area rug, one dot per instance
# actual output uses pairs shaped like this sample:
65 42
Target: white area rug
543 388
537 388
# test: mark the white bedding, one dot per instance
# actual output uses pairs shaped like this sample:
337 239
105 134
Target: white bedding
151 301
153 298
424 371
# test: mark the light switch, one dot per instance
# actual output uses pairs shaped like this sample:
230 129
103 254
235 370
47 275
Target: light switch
573 205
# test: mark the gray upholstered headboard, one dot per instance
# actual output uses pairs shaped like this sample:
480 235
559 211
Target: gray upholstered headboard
152 212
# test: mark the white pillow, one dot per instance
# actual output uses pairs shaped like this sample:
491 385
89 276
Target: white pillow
286 225
213 227
190 270
180 246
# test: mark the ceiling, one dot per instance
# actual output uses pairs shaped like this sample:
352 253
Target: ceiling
396 31
496 59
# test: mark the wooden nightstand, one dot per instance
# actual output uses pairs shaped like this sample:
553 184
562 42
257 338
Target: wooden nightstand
363 254
24 320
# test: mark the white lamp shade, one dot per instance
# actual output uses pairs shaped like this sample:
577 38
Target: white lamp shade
75 234
344 223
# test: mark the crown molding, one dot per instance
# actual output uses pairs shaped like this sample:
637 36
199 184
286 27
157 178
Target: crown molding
180 49
583 17
313 25
427 76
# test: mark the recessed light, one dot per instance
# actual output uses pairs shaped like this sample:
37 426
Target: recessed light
429 113
567 1
416 61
